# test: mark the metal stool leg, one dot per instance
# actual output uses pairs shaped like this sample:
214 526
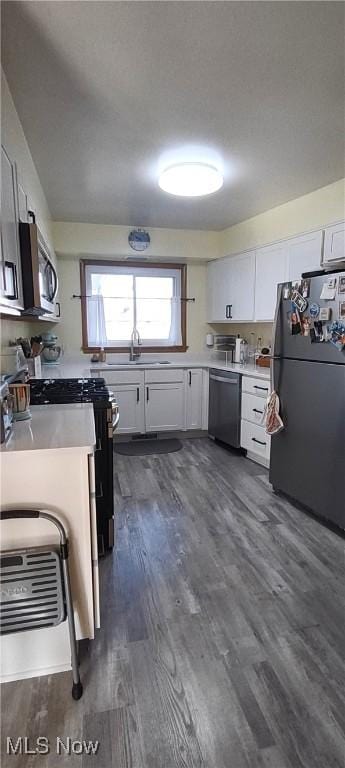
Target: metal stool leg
77 688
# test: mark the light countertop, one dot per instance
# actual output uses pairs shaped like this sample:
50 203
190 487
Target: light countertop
54 427
245 370
80 369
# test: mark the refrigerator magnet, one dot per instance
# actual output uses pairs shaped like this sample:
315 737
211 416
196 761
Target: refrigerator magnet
299 301
337 331
316 333
295 322
325 314
341 285
287 288
305 288
314 309
342 310
329 289
305 325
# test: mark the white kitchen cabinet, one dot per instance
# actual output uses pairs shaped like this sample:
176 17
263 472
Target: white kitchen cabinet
22 203
130 398
334 243
231 289
217 290
194 400
304 254
271 269
256 442
164 406
128 389
253 435
11 278
242 281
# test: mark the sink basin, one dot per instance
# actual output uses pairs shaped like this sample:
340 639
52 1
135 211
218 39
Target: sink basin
141 362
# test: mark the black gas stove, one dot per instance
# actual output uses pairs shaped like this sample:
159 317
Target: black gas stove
95 391
44 391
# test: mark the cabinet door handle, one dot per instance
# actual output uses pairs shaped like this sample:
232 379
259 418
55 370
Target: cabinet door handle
230 311
57 304
190 378
147 394
264 389
261 442
138 394
256 410
100 494
227 309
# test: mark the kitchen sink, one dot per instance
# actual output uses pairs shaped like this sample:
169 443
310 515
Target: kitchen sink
141 362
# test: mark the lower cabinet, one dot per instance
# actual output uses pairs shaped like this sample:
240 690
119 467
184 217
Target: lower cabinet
128 388
253 435
194 398
159 400
164 407
130 398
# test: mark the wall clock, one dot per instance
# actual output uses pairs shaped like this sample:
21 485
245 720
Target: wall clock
139 239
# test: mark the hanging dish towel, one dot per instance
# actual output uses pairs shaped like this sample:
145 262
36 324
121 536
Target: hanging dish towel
273 421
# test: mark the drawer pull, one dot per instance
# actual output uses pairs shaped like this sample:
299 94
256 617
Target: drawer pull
256 410
261 442
264 389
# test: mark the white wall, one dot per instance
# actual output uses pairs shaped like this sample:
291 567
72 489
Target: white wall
13 139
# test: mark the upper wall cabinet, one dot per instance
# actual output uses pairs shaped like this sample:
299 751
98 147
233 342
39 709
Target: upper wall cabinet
271 269
11 282
334 245
281 262
230 286
304 254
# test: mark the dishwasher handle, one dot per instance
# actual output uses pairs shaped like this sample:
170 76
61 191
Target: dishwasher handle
222 378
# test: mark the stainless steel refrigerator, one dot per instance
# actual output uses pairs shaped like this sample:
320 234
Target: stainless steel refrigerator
308 455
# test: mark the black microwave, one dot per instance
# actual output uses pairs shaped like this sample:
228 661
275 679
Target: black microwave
40 283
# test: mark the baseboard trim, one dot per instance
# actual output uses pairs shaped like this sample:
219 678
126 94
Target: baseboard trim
182 435
30 673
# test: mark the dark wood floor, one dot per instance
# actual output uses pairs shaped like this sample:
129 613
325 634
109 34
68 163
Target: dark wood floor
222 629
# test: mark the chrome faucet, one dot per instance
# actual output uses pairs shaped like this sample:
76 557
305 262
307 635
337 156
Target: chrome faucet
135 342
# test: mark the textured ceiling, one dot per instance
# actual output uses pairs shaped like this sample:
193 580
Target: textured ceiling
104 89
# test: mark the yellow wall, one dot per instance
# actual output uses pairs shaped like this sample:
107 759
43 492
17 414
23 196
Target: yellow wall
313 211
75 238
69 329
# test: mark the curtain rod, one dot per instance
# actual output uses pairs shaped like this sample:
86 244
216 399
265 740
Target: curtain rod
141 298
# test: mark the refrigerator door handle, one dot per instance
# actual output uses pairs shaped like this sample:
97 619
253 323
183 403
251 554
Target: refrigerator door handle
274 334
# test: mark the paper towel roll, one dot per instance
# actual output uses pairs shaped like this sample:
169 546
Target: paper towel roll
209 340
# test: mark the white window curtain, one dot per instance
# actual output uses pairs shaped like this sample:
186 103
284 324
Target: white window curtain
96 327
175 335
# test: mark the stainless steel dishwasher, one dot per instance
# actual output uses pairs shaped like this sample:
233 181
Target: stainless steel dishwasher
224 417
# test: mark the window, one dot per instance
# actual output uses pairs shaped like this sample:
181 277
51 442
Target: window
119 297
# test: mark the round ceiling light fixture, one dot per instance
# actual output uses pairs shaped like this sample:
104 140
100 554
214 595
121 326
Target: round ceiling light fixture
191 179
